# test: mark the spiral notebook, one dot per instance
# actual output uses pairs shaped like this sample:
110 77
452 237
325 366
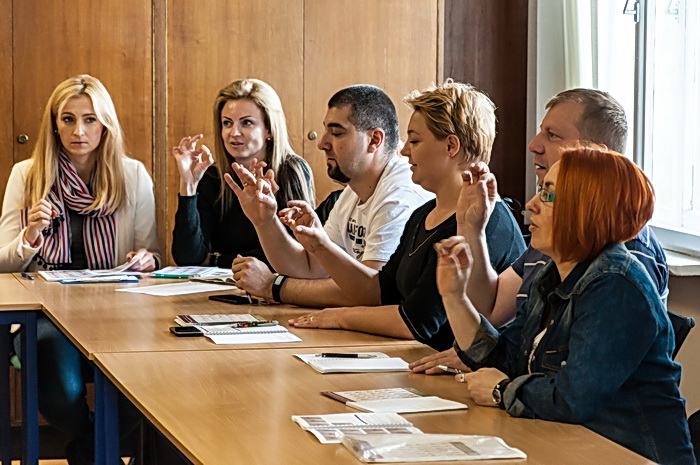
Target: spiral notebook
329 429
378 362
394 400
222 334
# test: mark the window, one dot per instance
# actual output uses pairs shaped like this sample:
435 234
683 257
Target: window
646 53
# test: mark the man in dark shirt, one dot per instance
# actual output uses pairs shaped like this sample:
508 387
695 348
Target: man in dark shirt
574 117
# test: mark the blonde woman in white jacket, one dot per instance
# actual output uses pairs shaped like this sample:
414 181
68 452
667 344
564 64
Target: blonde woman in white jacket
79 202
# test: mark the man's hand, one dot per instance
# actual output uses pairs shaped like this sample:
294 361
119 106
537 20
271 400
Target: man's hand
301 218
428 365
253 276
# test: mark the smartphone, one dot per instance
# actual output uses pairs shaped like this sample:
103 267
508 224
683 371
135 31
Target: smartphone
185 331
235 299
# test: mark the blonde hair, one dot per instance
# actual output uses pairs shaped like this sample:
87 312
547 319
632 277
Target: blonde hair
459 109
108 181
288 167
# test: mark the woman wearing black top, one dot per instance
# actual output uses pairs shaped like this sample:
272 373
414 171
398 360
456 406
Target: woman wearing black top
210 227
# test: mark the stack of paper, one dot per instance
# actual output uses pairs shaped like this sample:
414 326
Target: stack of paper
330 428
377 362
396 400
223 334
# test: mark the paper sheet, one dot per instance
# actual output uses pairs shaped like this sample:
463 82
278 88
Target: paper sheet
176 288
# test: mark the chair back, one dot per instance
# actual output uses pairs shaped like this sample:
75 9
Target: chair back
681 327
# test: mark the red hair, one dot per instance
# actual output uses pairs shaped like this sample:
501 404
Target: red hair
601 198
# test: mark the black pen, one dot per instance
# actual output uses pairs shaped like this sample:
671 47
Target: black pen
26 276
346 355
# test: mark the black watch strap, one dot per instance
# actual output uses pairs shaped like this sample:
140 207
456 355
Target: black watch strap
501 387
277 287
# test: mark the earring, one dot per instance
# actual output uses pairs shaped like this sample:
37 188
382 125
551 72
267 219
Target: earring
269 139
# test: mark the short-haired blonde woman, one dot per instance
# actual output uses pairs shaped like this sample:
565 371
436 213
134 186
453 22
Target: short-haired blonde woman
592 344
452 126
210 226
78 202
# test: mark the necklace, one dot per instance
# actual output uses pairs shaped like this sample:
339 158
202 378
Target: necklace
410 254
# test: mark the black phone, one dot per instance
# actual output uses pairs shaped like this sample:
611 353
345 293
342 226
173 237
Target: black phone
185 331
235 299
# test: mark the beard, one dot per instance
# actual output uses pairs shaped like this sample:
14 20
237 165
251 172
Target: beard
336 174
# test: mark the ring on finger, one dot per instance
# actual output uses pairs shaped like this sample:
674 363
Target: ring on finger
461 378
245 184
311 319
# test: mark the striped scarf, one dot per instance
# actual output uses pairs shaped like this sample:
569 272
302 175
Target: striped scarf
98 227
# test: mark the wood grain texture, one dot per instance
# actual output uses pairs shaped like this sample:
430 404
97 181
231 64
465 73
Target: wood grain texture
235 407
14 296
53 41
486 45
7 137
214 43
98 319
391 44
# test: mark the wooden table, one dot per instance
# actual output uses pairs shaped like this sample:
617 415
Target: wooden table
17 305
235 406
97 319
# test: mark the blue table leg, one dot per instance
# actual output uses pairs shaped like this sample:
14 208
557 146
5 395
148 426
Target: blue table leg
5 425
106 420
30 399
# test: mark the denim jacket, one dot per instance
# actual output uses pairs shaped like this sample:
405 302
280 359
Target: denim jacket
604 361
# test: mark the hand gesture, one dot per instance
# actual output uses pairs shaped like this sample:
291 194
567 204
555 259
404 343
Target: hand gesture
477 199
454 266
39 217
253 276
145 260
191 162
480 384
305 225
257 197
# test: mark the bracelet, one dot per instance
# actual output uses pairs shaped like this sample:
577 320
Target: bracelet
277 287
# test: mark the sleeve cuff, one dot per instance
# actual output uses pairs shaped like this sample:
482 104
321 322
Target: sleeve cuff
484 342
515 406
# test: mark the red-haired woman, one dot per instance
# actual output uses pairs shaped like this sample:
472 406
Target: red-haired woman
592 344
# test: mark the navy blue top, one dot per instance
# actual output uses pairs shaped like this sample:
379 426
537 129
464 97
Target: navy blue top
604 361
408 278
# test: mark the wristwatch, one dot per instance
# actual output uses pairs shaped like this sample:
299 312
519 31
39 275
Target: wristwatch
497 393
277 287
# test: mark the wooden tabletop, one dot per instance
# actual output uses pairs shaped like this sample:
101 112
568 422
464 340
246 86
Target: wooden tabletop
97 319
235 407
13 295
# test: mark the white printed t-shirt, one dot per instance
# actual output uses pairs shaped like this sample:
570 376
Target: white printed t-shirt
372 231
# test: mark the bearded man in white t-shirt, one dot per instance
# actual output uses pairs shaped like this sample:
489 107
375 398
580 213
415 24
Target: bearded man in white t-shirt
360 142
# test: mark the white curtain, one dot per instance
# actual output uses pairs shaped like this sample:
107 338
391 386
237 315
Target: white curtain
579 34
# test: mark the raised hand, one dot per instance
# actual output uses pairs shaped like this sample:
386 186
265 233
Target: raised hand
477 199
192 162
39 217
256 197
305 225
454 266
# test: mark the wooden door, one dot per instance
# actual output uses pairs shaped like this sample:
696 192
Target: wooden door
52 41
212 43
392 44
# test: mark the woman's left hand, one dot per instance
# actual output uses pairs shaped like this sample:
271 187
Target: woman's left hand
146 261
481 383
326 319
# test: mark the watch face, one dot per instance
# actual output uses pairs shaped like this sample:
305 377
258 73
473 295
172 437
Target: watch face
496 396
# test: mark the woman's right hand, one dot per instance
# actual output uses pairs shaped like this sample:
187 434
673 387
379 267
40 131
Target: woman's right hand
454 266
192 162
39 217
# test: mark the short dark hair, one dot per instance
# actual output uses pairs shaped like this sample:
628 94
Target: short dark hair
370 107
603 119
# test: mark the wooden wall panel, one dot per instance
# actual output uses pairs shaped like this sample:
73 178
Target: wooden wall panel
109 40
214 43
391 44
486 45
6 134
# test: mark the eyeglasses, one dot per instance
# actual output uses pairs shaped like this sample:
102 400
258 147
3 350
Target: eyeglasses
545 195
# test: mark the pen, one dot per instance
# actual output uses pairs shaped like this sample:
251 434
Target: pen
176 276
345 355
27 276
449 369
246 324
